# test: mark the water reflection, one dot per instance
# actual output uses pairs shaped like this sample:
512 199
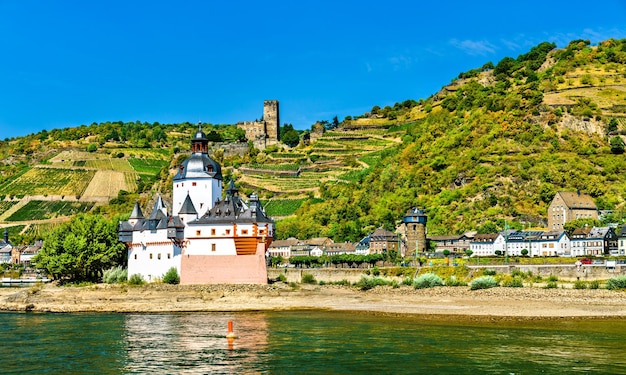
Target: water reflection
195 343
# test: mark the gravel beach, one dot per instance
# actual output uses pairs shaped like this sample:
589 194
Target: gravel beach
438 302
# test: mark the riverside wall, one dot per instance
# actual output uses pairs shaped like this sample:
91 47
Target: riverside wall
565 272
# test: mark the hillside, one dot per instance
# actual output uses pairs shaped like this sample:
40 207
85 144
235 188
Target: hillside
493 145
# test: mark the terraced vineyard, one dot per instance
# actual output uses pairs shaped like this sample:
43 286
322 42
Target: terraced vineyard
5 206
107 184
49 181
281 207
148 166
121 165
338 155
42 210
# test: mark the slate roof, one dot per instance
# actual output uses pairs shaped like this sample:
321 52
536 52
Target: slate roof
136 214
188 207
199 164
233 210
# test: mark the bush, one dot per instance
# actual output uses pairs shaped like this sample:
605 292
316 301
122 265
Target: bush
375 271
513 282
553 278
551 285
282 278
136 279
115 275
453 281
594 284
171 276
616 283
489 272
580 284
367 283
427 280
518 273
484 282
308 278
407 281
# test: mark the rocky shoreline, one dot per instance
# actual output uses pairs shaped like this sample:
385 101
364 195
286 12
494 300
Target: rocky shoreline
439 302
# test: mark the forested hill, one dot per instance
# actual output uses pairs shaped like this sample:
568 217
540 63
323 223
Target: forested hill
495 144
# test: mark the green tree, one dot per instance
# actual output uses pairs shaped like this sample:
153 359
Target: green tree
570 226
291 138
617 145
81 249
612 126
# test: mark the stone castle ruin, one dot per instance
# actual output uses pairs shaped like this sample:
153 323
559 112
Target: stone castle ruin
265 132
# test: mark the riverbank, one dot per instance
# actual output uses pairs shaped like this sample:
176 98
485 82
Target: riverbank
453 302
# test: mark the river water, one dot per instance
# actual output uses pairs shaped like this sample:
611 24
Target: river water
309 342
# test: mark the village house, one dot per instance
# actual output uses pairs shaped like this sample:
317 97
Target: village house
482 244
282 248
578 241
338 248
553 243
453 243
24 254
567 206
382 241
621 237
363 247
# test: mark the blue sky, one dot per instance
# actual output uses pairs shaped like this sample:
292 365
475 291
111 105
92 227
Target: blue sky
67 63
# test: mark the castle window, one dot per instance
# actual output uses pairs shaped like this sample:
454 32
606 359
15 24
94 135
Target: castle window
150 255
212 247
135 256
213 232
197 233
193 184
227 231
159 256
244 232
169 255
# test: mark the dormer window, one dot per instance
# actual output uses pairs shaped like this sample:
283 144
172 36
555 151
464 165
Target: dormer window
209 168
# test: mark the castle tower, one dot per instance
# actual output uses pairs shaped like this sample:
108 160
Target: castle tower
199 176
414 223
272 119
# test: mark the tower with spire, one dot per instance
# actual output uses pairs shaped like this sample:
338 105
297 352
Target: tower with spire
199 177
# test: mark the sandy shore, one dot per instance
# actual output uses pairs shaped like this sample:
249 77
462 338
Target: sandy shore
503 303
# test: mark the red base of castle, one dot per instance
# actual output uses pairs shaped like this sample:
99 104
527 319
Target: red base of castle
224 269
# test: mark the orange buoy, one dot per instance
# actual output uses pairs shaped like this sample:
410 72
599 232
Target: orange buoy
230 334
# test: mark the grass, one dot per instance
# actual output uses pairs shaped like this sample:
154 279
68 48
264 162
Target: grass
39 210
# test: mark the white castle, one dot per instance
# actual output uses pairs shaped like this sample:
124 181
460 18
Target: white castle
207 239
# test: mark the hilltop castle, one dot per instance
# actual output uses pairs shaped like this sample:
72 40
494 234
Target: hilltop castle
265 132
207 239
